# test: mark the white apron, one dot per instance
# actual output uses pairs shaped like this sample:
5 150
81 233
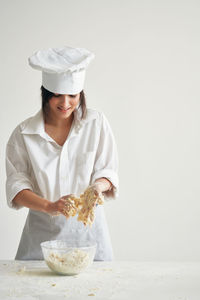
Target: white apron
40 227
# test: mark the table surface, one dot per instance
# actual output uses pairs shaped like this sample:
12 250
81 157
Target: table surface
30 280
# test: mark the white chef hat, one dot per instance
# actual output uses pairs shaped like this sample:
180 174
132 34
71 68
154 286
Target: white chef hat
63 69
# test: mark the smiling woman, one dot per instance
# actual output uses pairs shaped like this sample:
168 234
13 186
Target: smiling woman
61 151
47 95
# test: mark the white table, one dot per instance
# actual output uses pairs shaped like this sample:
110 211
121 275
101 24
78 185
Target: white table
28 280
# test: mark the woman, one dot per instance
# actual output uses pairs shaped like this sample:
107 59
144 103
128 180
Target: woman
60 151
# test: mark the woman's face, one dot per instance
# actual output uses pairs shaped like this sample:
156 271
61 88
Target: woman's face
62 105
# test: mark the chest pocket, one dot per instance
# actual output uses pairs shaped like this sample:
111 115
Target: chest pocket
85 165
85 158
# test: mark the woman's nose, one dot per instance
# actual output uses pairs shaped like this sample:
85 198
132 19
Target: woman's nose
65 98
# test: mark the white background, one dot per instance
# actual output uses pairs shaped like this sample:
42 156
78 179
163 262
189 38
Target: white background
145 78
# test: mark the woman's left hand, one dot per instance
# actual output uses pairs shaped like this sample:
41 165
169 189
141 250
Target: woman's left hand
96 188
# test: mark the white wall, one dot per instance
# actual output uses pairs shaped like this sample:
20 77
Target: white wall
145 78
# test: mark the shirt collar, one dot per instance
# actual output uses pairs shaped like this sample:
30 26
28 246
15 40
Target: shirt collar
36 123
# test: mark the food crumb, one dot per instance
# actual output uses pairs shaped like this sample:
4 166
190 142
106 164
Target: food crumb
53 284
21 270
95 289
91 294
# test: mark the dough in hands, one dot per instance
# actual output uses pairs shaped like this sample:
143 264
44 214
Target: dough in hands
84 206
70 209
89 199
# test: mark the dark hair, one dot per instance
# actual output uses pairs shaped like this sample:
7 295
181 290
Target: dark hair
47 95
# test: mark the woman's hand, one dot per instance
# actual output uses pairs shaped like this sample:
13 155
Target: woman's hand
98 187
102 185
60 206
94 193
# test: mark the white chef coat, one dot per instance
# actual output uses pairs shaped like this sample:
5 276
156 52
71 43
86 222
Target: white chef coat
35 161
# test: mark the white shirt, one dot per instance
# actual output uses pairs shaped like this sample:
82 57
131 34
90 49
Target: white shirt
35 161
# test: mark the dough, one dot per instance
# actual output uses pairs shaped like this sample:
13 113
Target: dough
84 206
89 200
72 262
71 205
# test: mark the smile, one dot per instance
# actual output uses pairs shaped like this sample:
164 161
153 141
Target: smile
63 109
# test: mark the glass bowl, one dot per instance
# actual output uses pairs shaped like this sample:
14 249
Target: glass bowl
68 257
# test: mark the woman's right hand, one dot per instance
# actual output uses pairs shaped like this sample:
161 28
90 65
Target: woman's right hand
56 208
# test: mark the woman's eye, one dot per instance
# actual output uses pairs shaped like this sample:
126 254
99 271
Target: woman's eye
73 96
56 95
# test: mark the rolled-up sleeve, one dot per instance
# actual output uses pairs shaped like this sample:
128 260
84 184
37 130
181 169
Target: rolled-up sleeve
17 171
106 160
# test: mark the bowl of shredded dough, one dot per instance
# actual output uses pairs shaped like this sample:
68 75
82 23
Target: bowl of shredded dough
68 257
